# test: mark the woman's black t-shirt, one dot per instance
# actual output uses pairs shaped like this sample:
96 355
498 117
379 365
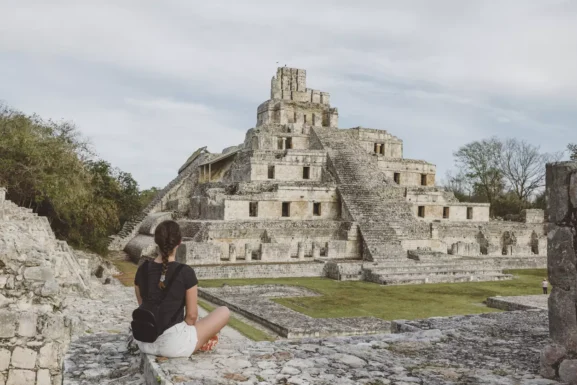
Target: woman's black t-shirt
175 299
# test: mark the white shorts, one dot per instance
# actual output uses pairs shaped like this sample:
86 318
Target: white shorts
178 341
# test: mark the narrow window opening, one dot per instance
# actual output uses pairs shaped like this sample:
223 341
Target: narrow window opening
316 209
446 213
305 118
397 178
469 213
376 150
383 149
286 209
270 172
421 211
423 179
289 142
295 117
253 209
306 173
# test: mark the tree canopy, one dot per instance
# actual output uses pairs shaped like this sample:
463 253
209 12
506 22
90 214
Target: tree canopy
49 167
572 151
509 174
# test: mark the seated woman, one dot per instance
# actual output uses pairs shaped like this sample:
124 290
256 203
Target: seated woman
172 287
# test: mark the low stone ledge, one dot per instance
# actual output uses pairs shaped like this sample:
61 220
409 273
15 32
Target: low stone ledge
522 302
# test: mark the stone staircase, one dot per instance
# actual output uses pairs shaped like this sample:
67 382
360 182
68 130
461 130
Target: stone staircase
130 228
374 201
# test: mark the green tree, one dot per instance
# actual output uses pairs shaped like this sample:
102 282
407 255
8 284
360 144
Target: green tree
479 162
50 168
572 151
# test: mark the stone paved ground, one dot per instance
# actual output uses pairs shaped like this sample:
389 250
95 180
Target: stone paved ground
100 354
497 348
520 302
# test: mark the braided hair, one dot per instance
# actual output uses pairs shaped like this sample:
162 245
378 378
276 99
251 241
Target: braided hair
167 236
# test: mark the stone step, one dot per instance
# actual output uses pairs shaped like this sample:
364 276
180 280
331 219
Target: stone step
392 280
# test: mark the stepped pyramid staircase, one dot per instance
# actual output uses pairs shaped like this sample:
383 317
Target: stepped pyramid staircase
130 228
385 219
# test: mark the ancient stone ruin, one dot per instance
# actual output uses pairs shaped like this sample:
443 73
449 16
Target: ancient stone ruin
303 198
560 358
36 272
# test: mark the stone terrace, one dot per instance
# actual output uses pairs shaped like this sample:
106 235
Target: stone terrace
499 348
254 302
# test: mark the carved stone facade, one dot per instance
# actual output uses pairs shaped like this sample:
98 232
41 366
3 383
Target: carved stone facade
300 192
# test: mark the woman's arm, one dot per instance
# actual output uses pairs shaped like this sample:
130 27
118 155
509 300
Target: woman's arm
138 296
191 305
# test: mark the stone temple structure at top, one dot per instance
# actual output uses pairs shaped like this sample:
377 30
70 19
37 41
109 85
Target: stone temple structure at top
302 197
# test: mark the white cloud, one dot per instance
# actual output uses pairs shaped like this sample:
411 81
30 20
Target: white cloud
141 76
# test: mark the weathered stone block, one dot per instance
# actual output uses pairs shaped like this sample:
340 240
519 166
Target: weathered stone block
561 257
48 357
27 324
8 321
53 328
43 377
23 358
4 359
38 273
559 177
563 318
21 377
551 356
568 371
50 289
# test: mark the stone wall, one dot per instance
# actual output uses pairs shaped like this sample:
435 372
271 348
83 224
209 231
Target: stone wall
35 271
560 358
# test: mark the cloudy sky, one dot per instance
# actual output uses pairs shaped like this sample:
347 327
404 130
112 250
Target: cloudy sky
151 81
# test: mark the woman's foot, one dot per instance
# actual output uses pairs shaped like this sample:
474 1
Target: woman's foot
211 343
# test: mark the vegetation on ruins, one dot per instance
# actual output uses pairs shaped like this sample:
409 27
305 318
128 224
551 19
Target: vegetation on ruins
509 174
364 299
49 167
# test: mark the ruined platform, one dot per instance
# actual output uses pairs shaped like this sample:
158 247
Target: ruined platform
521 302
254 302
498 348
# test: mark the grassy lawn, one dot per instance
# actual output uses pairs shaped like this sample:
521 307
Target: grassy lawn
355 299
127 272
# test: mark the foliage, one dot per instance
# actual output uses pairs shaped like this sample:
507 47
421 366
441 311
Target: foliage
508 174
572 151
50 168
354 299
479 162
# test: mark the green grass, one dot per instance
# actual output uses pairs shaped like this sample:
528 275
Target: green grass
127 272
361 299
243 328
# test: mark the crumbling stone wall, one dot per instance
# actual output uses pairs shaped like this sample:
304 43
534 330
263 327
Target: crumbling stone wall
35 271
560 358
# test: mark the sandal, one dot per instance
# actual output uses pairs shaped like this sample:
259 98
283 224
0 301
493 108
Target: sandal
210 344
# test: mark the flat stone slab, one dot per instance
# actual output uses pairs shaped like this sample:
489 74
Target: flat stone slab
521 302
496 348
254 302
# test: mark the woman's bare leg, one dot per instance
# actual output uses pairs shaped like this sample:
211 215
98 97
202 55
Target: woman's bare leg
211 325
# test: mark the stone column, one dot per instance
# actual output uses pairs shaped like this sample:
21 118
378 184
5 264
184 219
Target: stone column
561 222
301 250
232 252
247 252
